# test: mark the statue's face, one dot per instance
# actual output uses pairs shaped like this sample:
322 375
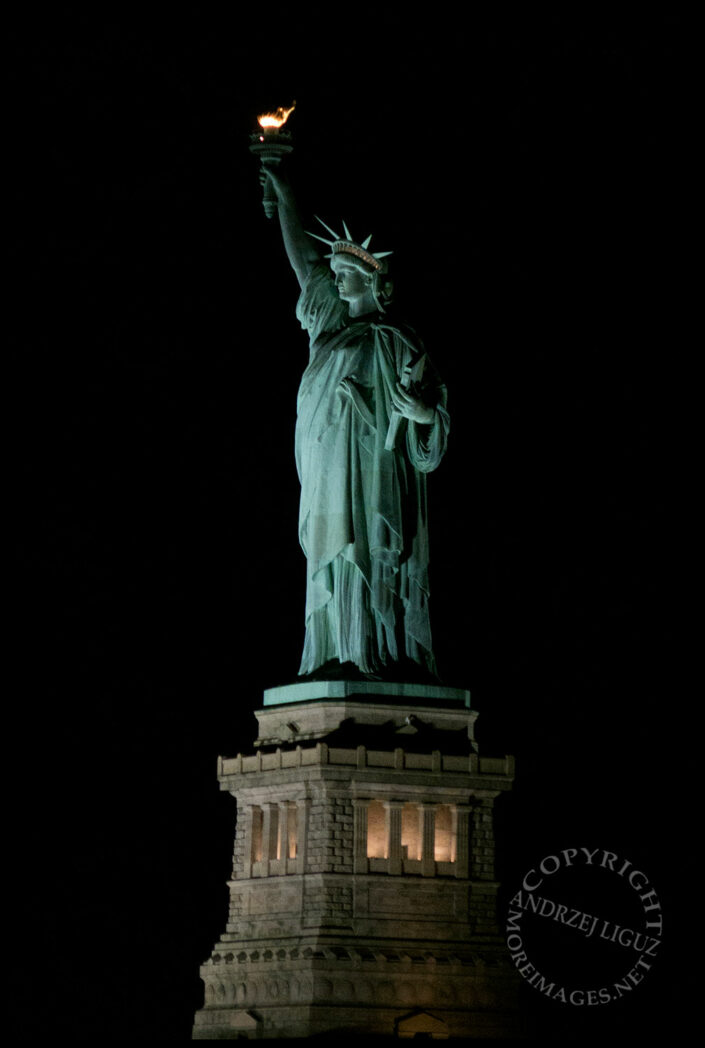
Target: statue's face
349 281
353 286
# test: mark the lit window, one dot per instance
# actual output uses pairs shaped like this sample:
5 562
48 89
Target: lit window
376 831
444 843
411 833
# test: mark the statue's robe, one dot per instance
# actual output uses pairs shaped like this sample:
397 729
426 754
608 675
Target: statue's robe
363 519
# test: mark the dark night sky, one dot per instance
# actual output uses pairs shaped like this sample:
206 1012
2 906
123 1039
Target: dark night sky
528 175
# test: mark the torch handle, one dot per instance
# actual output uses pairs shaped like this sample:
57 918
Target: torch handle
269 196
270 148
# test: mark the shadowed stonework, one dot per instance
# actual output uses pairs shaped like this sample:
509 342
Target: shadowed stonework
363 893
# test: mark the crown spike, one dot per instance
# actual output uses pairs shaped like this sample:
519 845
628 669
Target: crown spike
323 240
343 244
331 231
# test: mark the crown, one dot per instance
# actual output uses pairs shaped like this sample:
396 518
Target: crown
345 245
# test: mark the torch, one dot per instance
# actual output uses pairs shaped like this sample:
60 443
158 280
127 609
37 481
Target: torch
271 143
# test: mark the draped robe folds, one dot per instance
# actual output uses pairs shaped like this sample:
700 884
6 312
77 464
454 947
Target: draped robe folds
362 520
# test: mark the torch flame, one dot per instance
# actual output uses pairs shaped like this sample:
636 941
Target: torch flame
276 119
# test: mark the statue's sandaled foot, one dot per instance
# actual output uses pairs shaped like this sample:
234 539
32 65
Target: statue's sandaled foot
333 669
404 672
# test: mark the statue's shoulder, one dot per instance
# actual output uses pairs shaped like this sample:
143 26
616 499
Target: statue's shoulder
319 307
319 282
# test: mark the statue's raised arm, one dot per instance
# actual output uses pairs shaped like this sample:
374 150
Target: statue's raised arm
300 249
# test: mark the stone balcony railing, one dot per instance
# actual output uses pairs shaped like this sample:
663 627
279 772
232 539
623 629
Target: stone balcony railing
363 758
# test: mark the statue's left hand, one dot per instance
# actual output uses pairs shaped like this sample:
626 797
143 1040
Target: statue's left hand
412 407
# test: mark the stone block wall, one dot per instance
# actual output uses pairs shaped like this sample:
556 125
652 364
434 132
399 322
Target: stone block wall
330 834
320 935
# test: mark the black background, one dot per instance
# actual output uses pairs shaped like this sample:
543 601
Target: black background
530 174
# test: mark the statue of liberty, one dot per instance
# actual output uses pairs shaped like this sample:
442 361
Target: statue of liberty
371 423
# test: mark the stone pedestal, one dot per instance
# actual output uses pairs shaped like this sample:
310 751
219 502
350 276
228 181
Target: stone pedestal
363 893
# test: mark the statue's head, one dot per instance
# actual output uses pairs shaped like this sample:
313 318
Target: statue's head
361 275
359 284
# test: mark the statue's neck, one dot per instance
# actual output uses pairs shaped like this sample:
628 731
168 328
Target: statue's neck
363 306
359 312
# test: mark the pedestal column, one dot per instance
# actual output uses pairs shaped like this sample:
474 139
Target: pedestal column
461 834
360 807
427 829
392 811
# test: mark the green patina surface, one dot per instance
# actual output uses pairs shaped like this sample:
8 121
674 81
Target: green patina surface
372 423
